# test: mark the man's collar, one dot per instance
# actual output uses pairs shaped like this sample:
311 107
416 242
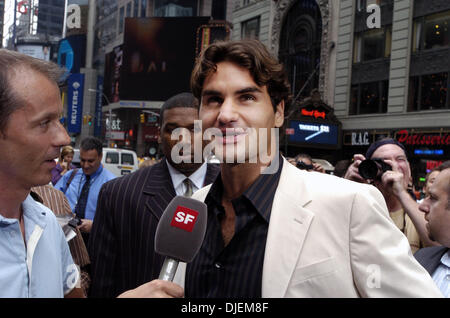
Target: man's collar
198 177
33 211
445 259
96 173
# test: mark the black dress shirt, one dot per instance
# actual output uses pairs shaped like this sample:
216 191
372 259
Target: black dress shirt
235 270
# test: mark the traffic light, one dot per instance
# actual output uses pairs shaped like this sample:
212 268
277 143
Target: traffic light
85 120
89 120
142 115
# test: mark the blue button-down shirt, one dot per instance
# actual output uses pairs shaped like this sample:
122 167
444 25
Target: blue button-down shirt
43 267
98 178
441 275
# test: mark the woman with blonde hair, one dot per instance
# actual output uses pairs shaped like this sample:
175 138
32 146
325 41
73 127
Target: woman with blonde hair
64 163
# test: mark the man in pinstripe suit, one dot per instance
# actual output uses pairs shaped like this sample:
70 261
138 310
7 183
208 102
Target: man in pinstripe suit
436 206
121 246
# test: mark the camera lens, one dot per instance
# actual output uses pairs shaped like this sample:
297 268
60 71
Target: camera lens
303 166
368 169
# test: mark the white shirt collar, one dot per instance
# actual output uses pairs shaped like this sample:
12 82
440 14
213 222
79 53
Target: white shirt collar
445 259
197 178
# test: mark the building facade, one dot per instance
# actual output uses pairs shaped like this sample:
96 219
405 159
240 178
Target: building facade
131 112
393 80
50 17
2 20
381 65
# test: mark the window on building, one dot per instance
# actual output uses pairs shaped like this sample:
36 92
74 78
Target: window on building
250 29
136 8
128 10
361 5
173 8
143 8
121 19
369 98
219 9
431 31
428 92
372 44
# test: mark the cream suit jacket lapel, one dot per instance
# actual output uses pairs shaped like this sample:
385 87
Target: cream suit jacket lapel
289 224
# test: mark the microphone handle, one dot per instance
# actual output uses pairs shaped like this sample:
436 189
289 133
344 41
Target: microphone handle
168 269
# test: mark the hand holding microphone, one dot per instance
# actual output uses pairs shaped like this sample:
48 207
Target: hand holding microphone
179 236
180 233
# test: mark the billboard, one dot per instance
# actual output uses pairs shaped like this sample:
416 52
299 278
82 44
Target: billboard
158 57
75 89
113 65
38 51
316 134
98 107
72 53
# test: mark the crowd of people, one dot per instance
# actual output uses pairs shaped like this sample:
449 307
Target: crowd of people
295 231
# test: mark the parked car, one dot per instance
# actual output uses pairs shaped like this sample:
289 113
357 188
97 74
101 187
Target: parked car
119 161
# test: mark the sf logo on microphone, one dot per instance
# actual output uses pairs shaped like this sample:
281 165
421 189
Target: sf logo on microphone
184 218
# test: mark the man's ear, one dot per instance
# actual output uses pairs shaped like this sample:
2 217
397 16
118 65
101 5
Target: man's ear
279 114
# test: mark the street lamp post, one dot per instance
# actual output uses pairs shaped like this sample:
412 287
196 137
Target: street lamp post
109 113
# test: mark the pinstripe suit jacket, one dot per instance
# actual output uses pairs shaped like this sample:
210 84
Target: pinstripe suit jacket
121 243
430 257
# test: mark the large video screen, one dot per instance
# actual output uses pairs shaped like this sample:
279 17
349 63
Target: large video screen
158 57
315 134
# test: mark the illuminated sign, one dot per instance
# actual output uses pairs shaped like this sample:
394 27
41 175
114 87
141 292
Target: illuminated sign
431 164
98 107
436 152
421 139
75 91
313 133
313 113
115 135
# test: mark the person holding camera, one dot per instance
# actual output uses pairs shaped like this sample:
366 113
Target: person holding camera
386 166
64 164
304 161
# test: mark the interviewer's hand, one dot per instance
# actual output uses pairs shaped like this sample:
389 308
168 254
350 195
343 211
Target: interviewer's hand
155 289
352 171
85 226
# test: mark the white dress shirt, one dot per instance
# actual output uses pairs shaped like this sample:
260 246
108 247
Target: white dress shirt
441 275
197 178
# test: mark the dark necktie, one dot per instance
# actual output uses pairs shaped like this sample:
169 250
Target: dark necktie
188 183
82 200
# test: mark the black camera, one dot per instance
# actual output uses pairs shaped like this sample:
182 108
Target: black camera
74 222
373 168
303 166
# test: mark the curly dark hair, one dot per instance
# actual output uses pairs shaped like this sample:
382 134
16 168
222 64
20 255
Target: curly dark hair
250 54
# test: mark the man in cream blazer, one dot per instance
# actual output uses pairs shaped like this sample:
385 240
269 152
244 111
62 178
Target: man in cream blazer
330 237
296 233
